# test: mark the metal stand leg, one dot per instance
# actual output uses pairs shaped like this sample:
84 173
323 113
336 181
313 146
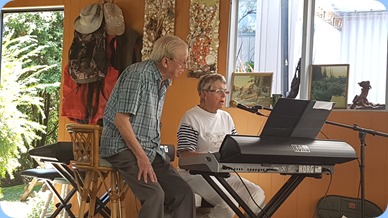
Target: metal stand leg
281 195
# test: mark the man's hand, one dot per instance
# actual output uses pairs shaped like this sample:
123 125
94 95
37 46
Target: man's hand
145 169
125 128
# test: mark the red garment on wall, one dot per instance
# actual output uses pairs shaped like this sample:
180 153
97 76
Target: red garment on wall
75 97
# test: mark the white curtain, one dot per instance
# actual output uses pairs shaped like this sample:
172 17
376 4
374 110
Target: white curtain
361 43
364 47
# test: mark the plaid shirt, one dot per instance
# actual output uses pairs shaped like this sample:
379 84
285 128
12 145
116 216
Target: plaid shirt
137 92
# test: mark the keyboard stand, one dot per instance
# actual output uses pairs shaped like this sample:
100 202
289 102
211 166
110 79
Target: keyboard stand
221 178
277 200
283 193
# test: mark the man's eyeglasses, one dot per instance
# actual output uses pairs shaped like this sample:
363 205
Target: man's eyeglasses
181 65
218 91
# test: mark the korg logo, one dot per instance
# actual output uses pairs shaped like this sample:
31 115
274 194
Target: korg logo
300 148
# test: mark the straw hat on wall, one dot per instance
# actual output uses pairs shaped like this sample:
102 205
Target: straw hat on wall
90 19
114 19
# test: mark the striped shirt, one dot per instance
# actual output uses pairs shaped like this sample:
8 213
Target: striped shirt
137 92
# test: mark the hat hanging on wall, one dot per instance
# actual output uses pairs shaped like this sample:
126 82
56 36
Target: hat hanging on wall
114 19
89 20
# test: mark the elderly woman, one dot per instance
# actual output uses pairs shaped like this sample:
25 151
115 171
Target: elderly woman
202 129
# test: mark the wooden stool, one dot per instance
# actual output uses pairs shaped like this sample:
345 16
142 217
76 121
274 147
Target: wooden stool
91 171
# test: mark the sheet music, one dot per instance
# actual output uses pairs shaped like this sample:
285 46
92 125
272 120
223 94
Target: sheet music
297 118
324 105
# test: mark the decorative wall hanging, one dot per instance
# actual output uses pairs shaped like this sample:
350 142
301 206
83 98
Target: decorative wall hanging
252 89
330 83
203 37
159 19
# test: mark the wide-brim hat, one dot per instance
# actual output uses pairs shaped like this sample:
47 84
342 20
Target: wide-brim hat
90 19
114 19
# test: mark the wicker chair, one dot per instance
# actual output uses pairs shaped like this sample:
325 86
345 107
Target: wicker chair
91 171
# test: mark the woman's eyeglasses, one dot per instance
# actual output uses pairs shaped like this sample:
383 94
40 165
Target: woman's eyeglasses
218 91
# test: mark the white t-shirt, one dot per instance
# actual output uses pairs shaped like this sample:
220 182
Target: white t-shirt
202 131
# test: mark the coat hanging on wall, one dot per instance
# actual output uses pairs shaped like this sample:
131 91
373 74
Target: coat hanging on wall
90 76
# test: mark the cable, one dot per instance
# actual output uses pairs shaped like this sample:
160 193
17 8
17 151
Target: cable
359 166
359 184
242 181
327 190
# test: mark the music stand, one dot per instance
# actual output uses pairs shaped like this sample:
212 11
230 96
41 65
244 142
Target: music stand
297 118
361 134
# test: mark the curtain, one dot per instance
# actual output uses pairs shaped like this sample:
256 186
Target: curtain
361 42
364 47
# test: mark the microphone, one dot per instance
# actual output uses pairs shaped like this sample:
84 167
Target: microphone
260 107
234 103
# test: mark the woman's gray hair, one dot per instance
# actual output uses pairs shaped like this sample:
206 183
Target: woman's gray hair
167 46
207 80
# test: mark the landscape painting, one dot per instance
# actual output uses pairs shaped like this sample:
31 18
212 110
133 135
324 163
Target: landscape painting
330 83
251 89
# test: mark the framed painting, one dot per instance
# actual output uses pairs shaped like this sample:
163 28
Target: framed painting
330 83
252 89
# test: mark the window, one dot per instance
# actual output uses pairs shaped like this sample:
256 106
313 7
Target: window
267 36
43 29
355 33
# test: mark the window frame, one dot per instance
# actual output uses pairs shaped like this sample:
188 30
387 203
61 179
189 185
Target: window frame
306 53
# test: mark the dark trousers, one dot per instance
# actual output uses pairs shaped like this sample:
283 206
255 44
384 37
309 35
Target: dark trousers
170 192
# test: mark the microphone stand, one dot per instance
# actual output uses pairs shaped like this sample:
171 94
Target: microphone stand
361 134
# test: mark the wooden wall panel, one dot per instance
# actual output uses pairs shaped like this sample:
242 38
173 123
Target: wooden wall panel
182 95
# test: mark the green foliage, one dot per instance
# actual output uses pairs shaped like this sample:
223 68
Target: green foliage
249 66
326 87
37 204
17 89
246 67
47 26
13 193
29 91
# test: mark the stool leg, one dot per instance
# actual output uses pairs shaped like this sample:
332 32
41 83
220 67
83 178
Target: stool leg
84 192
93 194
123 188
46 205
113 195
